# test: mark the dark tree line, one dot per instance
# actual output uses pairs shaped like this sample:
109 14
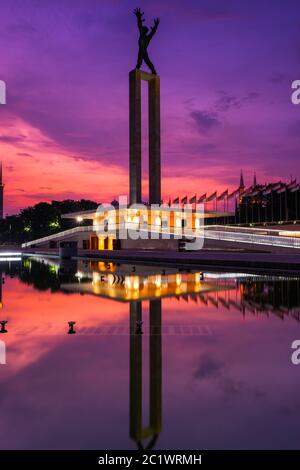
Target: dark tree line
41 220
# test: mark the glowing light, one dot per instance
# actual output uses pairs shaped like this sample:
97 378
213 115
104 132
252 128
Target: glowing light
10 253
128 282
136 283
286 233
110 279
132 282
96 277
54 224
158 280
79 275
79 219
178 279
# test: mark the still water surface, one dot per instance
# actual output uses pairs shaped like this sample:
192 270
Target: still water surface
160 358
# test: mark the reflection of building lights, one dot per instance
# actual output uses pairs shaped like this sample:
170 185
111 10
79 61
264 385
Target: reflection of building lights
132 282
110 279
158 280
136 283
96 277
197 223
178 279
128 282
79 219
178 222
157 221
136 219
197 278
53 269
79 275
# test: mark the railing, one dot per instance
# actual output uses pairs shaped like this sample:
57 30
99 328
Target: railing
235 234
253 238
232 228
55 236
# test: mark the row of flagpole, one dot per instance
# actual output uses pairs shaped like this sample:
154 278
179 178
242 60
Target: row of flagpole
204 198
225 196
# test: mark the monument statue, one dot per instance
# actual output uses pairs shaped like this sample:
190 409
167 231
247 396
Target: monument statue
144 40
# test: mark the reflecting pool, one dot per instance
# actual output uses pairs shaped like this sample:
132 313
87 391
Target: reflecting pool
98 355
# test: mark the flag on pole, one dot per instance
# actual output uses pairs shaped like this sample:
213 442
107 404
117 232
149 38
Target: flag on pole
202 198
282 189
247 192
276 186
233 194
223 195
292 184
295 188
184 200
212 197
193 199
267 190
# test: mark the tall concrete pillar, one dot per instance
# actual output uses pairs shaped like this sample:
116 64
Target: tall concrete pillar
135 137
135 130
154 140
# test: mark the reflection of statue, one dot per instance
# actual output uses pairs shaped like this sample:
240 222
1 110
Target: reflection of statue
144 40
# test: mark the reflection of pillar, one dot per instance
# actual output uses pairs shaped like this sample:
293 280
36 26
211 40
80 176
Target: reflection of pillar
1 281
1 193
137 431
135 138
135 372
155 365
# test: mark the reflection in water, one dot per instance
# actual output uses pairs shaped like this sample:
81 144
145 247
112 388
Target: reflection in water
3 324
71 327
138 432
242 292
138 286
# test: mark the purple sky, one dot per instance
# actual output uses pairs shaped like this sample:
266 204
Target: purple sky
226 70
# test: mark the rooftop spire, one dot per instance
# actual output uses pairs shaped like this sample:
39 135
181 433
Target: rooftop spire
242 180
1 173
254 179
